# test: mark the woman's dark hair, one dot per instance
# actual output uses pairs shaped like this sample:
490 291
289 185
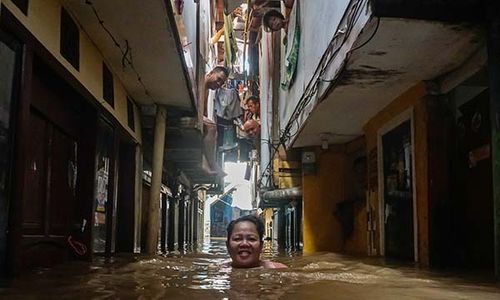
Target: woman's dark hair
267 18
250 218
254 99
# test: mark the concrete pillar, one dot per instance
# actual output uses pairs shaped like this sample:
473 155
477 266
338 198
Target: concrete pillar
164 224
138 198
157 170
282 227
181 223
172 217
189 227
494 86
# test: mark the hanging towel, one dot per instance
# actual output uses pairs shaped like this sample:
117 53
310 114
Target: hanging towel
292 47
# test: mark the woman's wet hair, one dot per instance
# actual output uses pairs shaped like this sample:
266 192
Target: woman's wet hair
267 18
250 218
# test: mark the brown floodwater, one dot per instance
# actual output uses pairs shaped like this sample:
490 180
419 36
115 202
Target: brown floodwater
202 275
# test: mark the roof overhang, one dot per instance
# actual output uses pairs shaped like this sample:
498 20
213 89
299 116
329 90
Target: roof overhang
148 27
394 55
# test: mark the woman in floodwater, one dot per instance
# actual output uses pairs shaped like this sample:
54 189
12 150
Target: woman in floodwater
244 244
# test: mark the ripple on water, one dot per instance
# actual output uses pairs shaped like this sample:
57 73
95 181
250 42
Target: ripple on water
205 275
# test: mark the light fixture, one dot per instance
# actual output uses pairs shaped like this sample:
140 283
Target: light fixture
325 139
324 144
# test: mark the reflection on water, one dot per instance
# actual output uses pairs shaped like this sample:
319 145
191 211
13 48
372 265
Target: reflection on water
203 275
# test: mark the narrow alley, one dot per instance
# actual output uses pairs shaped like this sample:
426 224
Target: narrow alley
242 149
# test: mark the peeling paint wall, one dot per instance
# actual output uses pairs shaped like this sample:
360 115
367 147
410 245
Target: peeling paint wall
43 21
412 98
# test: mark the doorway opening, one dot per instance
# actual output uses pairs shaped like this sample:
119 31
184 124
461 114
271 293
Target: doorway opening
397 192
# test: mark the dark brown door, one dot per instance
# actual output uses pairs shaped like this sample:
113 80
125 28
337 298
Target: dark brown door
50 196
50 178
125 200
476 183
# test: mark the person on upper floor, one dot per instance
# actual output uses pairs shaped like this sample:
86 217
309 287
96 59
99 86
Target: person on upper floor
273 20
214 80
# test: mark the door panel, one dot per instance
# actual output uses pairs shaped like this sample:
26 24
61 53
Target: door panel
62 184
476 191
125 200
34 202
50 178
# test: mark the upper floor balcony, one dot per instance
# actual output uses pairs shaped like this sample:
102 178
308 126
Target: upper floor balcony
356 56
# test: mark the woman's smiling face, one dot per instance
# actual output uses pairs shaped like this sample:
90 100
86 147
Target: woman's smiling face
244 245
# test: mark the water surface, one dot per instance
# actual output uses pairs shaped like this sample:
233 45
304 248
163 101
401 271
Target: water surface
203 275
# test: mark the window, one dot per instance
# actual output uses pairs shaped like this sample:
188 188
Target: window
130 114
107 86
70 39
22 5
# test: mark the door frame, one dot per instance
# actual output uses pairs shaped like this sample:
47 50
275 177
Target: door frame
407 115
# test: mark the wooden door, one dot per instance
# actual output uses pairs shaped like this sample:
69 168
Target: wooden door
125 214
47 211
476 191
49 201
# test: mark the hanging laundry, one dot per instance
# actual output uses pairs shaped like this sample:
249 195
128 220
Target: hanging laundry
230 46
292 47
227 104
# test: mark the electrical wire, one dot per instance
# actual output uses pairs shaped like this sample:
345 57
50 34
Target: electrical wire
126 51
370 38
351 16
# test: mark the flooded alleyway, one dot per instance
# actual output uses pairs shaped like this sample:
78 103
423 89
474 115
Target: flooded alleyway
132 130
204 276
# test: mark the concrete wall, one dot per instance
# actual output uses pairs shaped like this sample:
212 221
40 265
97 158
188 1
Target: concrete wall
266 63
355 190
286 173
314 42
413 98
319 23
334 183
321 193
43 21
